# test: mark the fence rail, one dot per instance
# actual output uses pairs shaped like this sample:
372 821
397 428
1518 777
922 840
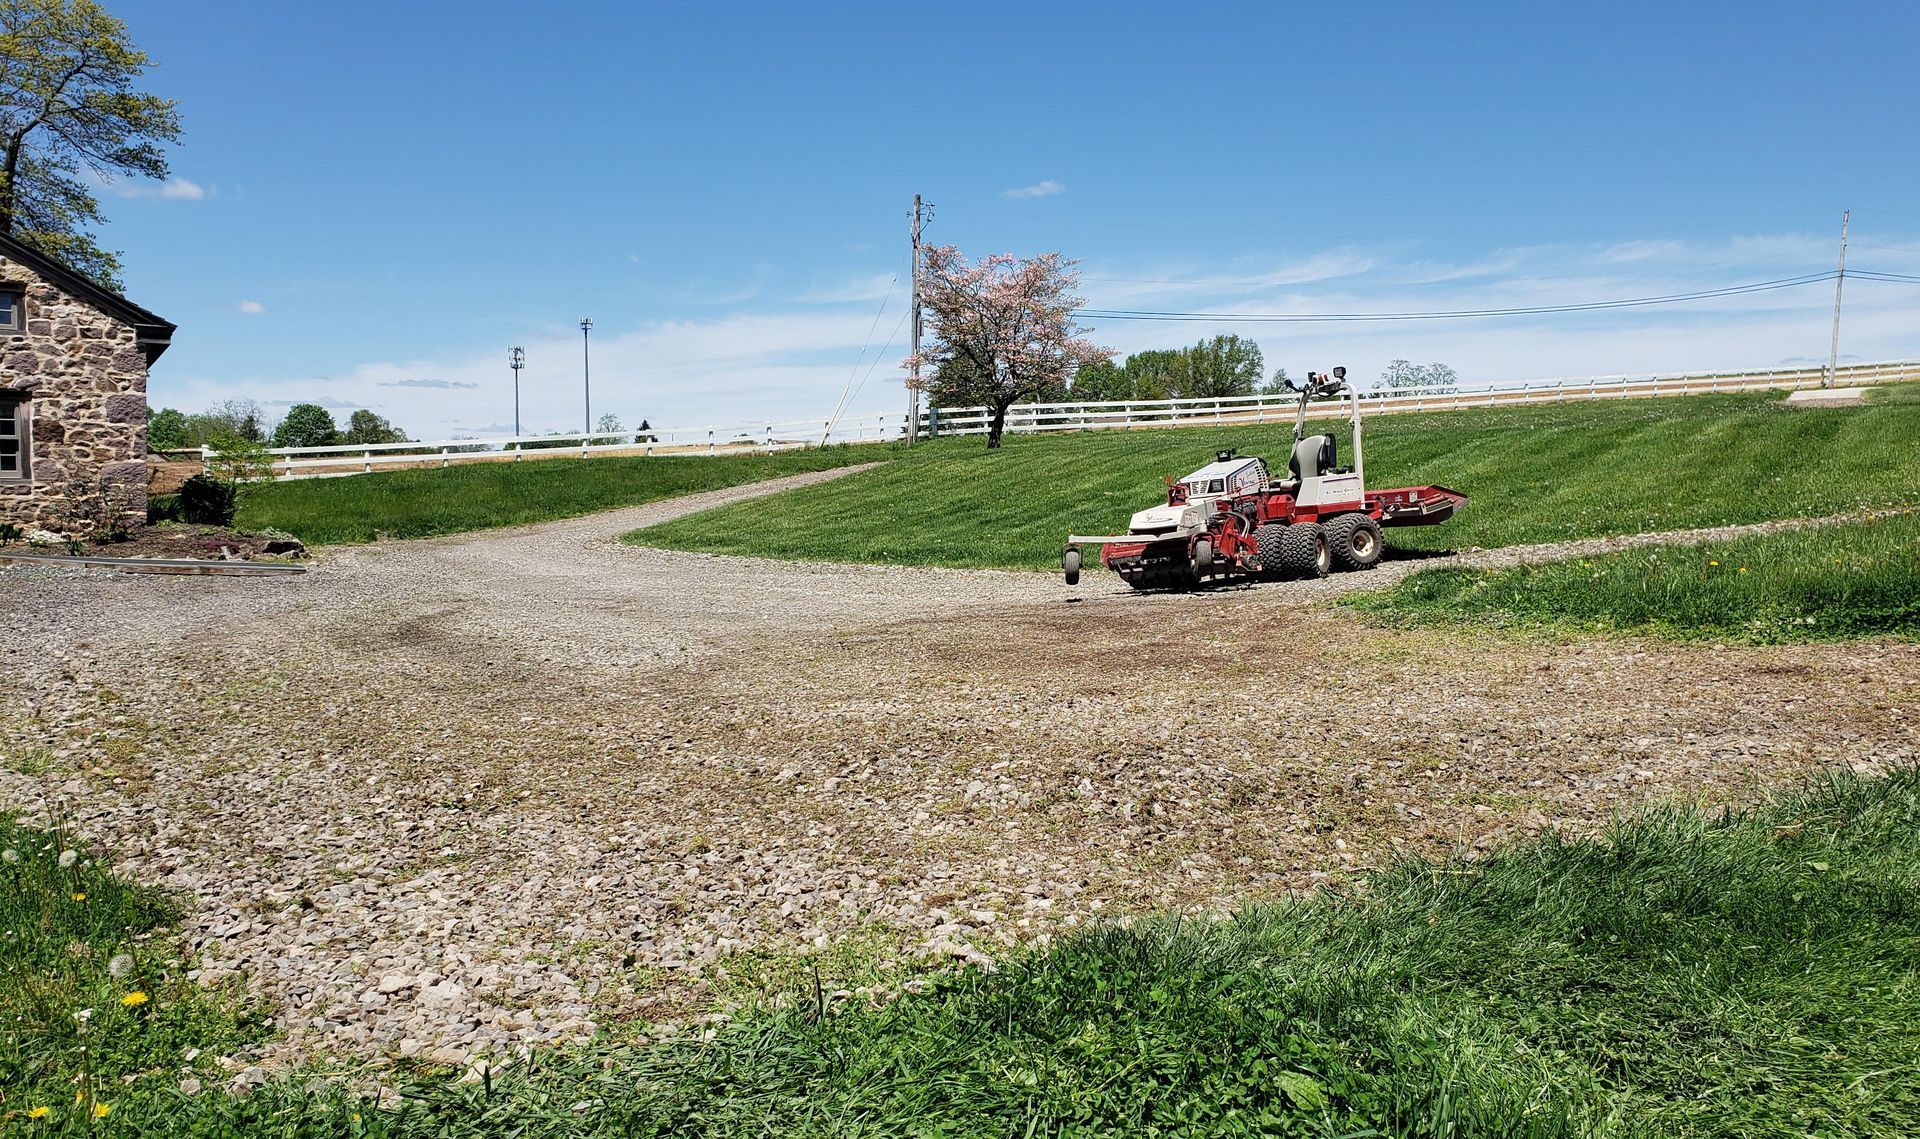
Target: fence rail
1033 418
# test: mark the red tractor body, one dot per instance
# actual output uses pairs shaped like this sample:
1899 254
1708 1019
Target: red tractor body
1234 516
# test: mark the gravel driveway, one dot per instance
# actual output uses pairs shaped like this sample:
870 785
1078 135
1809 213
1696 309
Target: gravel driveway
456 796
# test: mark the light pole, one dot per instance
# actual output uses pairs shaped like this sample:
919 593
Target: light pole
516 359
586 373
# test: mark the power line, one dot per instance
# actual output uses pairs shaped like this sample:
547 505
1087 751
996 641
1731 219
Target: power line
1874 275
1459 314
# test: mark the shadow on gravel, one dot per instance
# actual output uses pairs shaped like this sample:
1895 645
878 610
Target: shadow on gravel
1396 554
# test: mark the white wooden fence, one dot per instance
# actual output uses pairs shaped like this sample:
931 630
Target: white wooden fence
764 437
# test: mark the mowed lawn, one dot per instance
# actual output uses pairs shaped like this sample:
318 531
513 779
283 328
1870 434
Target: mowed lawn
480 495
1534 474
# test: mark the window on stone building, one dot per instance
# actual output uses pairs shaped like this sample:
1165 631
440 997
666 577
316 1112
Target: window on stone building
13 309
13 439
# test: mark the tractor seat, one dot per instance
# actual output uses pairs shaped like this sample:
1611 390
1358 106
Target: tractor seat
1312 457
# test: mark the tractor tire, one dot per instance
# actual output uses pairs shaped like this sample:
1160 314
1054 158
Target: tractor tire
1070 565
1304 552
1355 542
1202 559
1266 539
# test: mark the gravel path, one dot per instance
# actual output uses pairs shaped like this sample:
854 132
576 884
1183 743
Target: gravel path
458 796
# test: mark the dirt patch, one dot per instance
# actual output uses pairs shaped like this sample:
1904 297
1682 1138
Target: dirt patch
164 476
178 540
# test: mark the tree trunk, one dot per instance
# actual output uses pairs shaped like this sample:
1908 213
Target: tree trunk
998 425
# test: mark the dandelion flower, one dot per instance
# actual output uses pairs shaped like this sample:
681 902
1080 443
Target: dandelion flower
40 1112
134 999
1711 562
1743 569
121 965
79 895
100 1110
10 856
68 858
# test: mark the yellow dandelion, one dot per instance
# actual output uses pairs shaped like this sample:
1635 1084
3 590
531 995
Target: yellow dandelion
1711 562
40 1112
356 1117
80 896
1743 569
134 999
100 1110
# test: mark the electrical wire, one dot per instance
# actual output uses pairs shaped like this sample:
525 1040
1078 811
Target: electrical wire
1459 314
1875 275
847 388
891 337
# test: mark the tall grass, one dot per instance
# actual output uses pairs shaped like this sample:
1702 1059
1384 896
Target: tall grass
1535 474
476 496
1688 972
1816 584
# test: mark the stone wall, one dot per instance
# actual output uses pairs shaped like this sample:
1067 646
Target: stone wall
87 377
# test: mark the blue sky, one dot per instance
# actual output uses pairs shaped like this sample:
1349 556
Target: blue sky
374 201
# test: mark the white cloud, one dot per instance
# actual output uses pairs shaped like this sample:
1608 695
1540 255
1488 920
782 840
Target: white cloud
788 360
251 308
172 190
1037 190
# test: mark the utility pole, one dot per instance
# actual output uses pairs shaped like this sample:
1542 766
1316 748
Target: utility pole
913 375
1839 282
516 360
586 375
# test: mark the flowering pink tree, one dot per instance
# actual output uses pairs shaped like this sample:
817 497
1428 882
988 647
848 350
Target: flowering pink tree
1002 330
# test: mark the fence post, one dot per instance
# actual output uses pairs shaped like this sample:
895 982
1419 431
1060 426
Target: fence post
443 458
366 457
709 440
288 473
516 452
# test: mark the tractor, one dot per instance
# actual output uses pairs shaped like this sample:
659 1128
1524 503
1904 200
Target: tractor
1235 517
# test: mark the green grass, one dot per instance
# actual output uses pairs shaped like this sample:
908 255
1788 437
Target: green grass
75 1023
477 496
1535 474
1820 584
1688 973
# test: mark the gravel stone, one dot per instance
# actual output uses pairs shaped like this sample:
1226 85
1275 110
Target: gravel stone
456 798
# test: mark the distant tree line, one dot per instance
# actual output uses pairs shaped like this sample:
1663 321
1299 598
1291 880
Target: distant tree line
305 425
1216 368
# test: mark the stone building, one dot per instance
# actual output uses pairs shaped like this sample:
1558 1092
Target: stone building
73 395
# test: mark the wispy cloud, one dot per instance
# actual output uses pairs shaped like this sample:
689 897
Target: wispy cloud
443 384
870 287
251 308
172 190
1037 190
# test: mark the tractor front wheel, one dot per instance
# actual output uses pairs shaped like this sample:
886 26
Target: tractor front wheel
1304 551
1355 542
1266 539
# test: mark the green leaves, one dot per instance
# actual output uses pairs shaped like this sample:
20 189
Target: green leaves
68 112
1302 1089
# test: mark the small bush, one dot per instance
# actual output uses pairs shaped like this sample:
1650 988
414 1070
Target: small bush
163 508
206 501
